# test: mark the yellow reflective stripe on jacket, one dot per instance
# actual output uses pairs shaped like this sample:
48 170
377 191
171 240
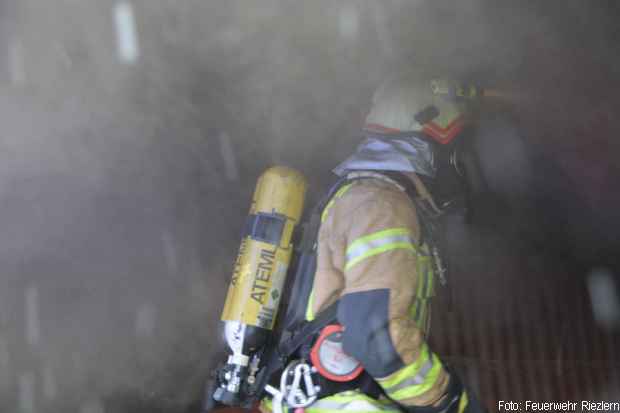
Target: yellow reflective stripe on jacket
419 378
309 312
415 309
424 270
414 388
330 204
353 401
266 404
414 379
425 287
419 311
376 243
407 371
463 402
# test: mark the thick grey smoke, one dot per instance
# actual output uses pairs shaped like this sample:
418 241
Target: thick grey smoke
133 132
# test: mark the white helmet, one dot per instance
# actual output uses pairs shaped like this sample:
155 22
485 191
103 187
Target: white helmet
408 103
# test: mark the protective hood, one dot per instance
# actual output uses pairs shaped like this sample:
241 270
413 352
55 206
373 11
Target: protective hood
403 153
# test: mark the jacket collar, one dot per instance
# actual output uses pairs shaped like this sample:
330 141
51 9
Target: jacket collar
400 153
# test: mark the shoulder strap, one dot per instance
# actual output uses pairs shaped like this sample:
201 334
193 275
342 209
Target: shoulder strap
299 283
311 228
430 233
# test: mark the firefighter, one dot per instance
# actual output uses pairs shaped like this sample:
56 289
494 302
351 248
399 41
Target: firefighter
378 254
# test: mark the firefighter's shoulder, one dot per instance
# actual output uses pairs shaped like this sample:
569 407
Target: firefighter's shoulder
374 197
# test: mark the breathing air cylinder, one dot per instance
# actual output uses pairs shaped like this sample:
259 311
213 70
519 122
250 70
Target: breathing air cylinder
259 275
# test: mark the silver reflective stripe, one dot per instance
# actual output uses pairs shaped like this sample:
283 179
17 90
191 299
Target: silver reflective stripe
364 247
355 405
419 378
329 404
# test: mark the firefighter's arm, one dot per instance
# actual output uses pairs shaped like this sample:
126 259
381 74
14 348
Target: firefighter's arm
380 240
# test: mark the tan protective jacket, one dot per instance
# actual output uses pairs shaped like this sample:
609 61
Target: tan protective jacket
368 241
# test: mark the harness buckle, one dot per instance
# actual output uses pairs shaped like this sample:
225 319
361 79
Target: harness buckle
297 388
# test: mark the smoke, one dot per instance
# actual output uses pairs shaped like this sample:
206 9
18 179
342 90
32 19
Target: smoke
604 298
133 135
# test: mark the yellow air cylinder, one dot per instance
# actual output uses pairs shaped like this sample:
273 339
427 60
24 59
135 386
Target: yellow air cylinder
264 255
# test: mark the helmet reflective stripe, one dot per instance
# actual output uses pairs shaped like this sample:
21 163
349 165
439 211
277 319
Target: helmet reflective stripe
447 134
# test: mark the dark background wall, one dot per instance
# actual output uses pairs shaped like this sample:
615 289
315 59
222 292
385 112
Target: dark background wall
124 184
